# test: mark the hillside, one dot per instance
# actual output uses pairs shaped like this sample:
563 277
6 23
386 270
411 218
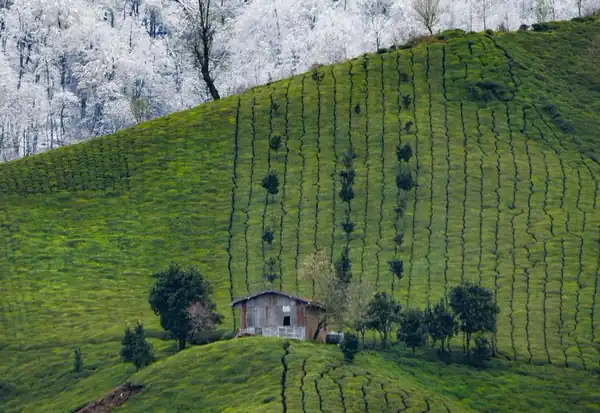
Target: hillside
315 379
508 192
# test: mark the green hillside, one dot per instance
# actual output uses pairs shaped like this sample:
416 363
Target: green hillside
508 171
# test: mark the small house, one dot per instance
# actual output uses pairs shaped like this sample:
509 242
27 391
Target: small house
276 314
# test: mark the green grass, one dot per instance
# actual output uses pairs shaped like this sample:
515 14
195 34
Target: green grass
507 196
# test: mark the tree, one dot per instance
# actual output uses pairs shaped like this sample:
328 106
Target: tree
475 308
135 348
78 360
268 235
399 239
343 267
270 273
271 183
200 36
202 318
428 13
397 268
349 347
347 193
404 153
328 289
406 100
275 142
482 353
348 226
174 290
441 324
383 313
413 329
404 179
359 295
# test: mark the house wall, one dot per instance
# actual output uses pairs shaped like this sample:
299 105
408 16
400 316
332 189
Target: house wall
269 310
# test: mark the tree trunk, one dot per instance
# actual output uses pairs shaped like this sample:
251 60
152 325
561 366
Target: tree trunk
181 343
318 330
468 343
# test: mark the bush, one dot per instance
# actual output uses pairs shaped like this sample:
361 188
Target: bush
404 153
348 226
523 27
78 363
349 347
206 337
269 399
482 353
489 32
271 183
268 235
228 335
399 239
542 27
382 50
275 142
404 180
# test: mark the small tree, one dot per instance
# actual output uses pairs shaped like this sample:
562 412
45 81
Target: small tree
329 290
358 297
271 183
275 142
347 176
383 313
268 235
357 108
270 272
348 226
349 347
347 193
428 13
404 180
404 153
174 290
78 360
348 158
441 324
482 353
343 267
407 126
399 239
413 330
202 318
406 100
476 309
139 350
397 268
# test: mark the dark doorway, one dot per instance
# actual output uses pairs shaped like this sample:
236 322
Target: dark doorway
286 320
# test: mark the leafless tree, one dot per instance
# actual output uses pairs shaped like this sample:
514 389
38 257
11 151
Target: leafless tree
200 36
359 295
428 12
329 290
202 318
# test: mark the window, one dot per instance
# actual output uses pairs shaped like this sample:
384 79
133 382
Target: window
286 320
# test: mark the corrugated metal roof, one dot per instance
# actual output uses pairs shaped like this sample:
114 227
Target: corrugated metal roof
293 297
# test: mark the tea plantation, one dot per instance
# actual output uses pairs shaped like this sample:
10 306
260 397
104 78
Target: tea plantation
504 128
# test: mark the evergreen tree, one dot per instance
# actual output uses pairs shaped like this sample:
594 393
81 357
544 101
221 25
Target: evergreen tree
404 153
275 142
271 183
397 268
135 348
349 347
383 313
413 330
343 267
476 309
441 324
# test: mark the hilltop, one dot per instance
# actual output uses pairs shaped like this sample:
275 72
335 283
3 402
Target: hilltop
506 160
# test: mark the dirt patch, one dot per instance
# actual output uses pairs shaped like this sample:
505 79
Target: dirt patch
112 400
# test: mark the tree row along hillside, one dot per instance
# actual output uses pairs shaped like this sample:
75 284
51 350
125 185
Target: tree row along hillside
507 196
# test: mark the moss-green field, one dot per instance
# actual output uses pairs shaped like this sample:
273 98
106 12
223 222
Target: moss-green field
507 196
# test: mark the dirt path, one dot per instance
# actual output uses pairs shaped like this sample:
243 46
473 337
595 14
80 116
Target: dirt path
113 399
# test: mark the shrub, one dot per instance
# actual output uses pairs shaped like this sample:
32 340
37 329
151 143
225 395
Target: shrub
343 267
397 268
271 183
404 153
404 180
228 335
382 50
489 32
269 399
347 193
403 77
270 272
407 126
406 100
357 108
503 27
275 142
135 348
274 106
348 226
348 158
268 235
348 176
542 27
399 239
349 347
205 337
78 362
523 27
482 353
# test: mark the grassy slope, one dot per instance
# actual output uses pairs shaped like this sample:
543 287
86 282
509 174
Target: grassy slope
505 198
